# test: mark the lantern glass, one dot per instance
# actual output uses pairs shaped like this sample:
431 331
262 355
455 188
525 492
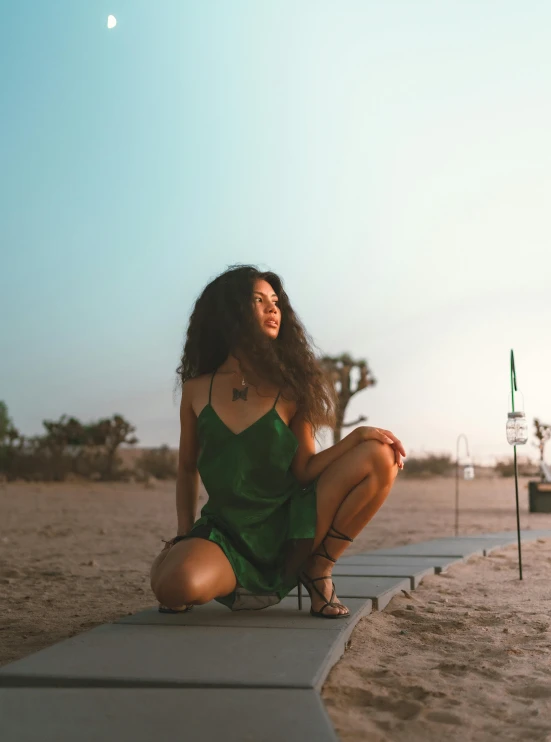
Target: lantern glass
468 472
517 428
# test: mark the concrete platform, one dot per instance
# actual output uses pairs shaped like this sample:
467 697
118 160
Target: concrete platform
462 546
284 615
491 543
525 535
212 674
413 574
124 656
448 548
380 590
440 564
157 715
486 543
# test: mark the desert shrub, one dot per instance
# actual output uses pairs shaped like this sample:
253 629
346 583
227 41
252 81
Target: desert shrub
30 461
160 463
67 449
99 465
429 465
506 467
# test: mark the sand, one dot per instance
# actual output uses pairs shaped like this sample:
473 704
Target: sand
73 556
466 656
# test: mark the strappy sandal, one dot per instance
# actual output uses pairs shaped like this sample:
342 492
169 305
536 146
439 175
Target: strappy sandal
306 580
184 609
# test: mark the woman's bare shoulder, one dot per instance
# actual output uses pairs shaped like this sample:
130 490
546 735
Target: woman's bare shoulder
196 384
288 398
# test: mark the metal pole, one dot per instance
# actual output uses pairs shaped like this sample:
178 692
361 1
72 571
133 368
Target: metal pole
518 517
513 388
457 489
461 435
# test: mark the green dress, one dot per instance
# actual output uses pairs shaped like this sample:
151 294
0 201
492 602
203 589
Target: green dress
257 512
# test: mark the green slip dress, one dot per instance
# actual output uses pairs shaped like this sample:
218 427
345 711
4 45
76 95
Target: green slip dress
260 515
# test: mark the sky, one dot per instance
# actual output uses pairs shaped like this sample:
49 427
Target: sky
391 161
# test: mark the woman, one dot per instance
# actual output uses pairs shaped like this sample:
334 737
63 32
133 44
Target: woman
278 514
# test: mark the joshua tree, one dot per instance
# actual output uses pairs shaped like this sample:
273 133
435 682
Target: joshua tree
5 421
68 445
8 435
338 369
543 434
110 433
106 434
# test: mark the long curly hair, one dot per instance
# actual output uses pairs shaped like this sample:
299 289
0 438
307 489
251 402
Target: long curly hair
222 321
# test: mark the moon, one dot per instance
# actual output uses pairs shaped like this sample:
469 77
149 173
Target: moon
111 21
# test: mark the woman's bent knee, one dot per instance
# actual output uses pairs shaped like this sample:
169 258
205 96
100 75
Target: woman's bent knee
156 568
386 458
175 589
195 571
378 456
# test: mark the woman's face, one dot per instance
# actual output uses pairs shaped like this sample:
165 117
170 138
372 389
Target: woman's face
266 307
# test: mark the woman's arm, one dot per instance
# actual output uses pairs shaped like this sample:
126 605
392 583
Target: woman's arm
187 481
318 462
187 495
307 465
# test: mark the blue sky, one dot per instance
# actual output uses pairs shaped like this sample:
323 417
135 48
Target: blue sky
390 160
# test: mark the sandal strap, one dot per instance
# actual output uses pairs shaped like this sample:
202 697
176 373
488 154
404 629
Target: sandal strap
322 596
339 535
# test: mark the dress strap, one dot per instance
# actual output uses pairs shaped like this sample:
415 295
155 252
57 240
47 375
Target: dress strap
277 398
212 379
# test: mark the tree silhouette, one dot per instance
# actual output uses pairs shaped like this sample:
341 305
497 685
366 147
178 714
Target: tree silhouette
8 435
8 432
110 433
67 446
68 434
339 369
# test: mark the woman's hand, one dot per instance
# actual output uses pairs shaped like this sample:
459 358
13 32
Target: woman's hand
366 433
181 531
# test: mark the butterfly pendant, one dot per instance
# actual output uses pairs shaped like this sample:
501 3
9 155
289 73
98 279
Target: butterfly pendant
237 394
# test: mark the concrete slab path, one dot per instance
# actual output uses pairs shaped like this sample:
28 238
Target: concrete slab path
413 574
449 547
213 673
124 655
380 590
161 714
440 564
284 615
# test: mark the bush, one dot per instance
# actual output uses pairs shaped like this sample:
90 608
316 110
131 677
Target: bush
98 465
428 466
32 462
161 463
525 467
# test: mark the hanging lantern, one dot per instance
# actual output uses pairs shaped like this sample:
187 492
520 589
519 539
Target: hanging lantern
468 473
468 469
517 428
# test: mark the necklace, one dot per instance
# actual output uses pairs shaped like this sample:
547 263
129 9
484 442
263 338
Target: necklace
240 394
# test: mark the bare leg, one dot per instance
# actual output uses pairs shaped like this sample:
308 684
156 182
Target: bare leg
191 572
350 492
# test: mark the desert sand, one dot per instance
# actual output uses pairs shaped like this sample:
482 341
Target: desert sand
466 656
473 663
